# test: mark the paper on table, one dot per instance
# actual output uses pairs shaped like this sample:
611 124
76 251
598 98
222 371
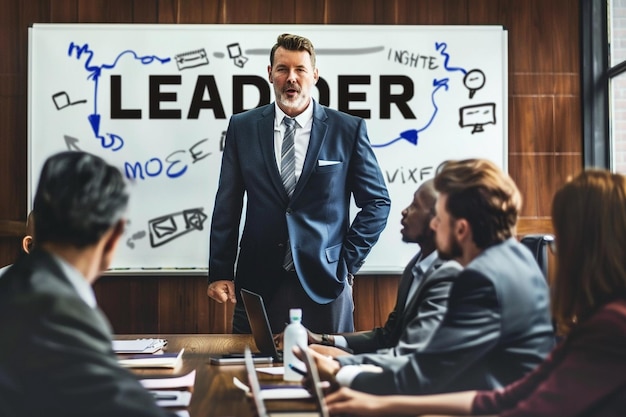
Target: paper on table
138 345
168 398
165 360
276 370
275 392
185 381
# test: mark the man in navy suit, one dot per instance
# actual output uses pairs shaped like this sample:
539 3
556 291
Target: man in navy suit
299 247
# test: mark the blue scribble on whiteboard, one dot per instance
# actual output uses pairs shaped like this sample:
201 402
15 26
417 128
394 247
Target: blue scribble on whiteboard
112 140
441 47
473 80
412 135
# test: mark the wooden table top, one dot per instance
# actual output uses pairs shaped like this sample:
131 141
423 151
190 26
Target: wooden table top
214 393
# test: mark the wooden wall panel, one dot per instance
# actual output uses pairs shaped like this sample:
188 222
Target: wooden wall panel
351 12
167 11
311 12
545 144
199 11
64 11
105 11
145 11
374 299
130 303
531 124
184 305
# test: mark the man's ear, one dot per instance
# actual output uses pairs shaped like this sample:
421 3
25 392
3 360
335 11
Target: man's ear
110 244
27 243
269 74
114 238
462 230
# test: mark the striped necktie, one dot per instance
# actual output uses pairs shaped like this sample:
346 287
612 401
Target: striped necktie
288 174
288 156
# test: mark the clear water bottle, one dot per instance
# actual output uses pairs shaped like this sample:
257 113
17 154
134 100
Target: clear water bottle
295 334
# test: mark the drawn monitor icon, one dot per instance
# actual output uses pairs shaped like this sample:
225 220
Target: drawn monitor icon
477 116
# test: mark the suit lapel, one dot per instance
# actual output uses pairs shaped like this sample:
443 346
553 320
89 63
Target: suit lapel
265 128
406 280
318 135
412 305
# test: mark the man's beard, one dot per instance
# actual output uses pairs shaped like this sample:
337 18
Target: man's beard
454 251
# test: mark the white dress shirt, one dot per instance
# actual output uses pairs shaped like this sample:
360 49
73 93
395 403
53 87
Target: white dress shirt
301 140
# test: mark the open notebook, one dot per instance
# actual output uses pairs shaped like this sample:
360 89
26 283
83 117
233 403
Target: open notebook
260 325
255 388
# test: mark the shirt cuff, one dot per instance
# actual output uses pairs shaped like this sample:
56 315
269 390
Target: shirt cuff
340 341
347 373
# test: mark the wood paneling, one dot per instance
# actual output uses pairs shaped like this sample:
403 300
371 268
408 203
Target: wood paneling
545 142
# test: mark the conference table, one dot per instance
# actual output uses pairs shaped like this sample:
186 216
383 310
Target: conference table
214 393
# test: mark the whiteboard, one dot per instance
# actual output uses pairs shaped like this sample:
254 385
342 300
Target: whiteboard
155 101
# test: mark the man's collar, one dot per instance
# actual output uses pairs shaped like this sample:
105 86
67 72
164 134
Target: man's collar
302 119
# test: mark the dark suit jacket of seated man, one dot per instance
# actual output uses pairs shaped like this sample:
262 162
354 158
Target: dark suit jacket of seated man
56 356
498 325
422 297
409 327
497 328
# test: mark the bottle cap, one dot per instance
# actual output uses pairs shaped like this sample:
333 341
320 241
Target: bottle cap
295 314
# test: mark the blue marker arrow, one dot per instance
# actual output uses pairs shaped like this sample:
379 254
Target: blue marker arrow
94 121
412 135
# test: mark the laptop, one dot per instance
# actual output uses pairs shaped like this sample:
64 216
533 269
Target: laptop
255 388
260 325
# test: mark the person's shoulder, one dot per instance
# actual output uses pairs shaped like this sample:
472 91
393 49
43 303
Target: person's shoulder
333 114
5 269
604 330
450 264
254 113
445 269
39 275
507 259
612 314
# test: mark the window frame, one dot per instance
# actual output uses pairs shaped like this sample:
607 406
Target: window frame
595 74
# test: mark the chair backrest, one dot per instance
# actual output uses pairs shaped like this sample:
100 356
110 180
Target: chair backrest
538 245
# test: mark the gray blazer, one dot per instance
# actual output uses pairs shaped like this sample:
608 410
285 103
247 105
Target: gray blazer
56 357
497 328
408 329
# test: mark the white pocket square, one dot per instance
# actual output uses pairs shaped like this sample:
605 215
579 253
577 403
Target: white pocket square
323 162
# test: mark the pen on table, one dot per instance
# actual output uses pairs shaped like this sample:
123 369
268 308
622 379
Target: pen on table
280 386
297 370
164 397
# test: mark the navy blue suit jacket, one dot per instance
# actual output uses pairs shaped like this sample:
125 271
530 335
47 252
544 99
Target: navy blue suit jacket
326 246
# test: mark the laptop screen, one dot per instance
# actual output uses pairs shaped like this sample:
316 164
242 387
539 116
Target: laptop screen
260 325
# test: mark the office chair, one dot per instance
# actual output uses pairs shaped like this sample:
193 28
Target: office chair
538 245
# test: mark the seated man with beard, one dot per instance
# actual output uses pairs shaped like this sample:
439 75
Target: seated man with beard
498 326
